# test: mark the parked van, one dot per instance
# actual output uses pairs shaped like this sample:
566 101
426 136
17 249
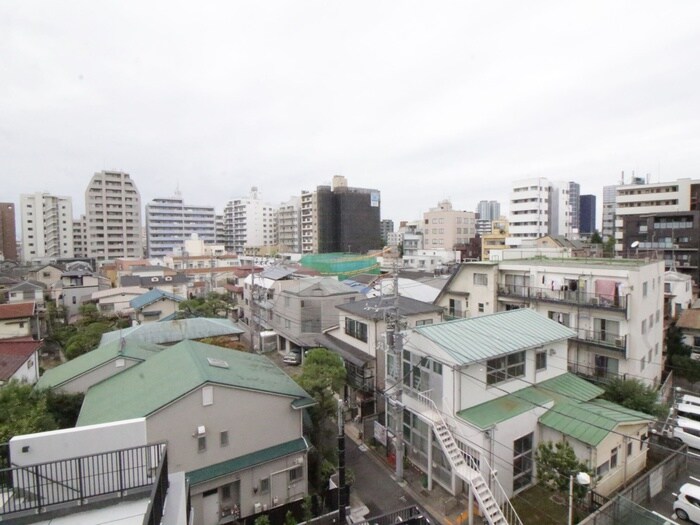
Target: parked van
688 431
688 411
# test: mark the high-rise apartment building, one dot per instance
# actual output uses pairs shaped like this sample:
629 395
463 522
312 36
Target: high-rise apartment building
340 218
80 237
386 226
444 227
608 226
8 234
47 226
487 211
220 229
249 223
169 222
663 218
538 207
289 225
587 214
574 196
113 215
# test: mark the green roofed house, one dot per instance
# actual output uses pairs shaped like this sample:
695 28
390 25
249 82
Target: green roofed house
232 420
154 305
480 394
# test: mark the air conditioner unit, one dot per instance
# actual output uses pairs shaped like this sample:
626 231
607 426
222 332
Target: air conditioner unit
257 507
275 500
299 460
619 341
595 300
201 430
264 507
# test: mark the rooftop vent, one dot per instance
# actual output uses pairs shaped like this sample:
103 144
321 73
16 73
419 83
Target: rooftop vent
218 363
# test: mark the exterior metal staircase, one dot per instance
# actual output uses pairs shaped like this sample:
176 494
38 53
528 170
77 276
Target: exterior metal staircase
496 508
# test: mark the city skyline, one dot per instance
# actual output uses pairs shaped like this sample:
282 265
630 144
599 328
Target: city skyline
421 103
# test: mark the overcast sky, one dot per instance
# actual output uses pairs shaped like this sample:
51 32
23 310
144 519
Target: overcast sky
421 100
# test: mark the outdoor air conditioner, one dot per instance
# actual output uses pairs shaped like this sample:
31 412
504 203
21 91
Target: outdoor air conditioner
264 507
275 500
619 341
595 300
257 507
299 460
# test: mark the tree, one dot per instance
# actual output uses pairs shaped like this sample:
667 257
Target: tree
596 238
213 305
23 411
609 247
87 338
556 462
679 355
262 520
633 394
289 518
323 378
64 407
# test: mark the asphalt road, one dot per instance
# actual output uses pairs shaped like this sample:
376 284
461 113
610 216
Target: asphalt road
663 502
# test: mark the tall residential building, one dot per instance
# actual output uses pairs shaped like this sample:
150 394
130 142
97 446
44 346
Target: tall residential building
340 218
444 227
538 207
587 214
80 237
113 214
487 211
663 218
608 226
8 234
386 226
47 226
220 230
574 196
169 221
249 223
289 225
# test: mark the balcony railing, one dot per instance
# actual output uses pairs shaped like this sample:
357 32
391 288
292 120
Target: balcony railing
597 374
578 297
602 338
43 487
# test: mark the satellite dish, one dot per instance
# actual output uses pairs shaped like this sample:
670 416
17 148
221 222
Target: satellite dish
635 244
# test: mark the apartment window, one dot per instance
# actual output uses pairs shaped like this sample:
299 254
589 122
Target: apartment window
265 485
651 321
613 458
286 301
481 279
223 438
642 363
656 349
356 329
649 356
645 288
658 315
423 322
560 317
505 368
522 462
603 469
296 474
481 307
207 396
541 361
201 443
629 449
437 368
644 326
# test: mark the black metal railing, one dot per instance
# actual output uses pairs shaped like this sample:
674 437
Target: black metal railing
156 505
577 297
603 338
597 374
38 487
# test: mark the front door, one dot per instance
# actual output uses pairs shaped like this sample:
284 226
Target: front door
210 507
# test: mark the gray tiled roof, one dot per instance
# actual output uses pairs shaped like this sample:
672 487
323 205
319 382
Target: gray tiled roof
374 308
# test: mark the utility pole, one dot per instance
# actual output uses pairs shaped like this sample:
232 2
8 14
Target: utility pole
394 340
341 464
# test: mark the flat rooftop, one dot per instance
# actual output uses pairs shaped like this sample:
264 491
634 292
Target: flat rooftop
589 262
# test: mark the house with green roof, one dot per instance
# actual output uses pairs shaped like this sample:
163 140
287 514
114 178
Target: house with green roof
79 374
480 394
232 421
154 305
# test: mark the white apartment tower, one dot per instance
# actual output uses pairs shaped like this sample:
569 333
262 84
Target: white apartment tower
47 226
608 226
80 237
538 207
113 214
289 225
249 223
445 227
169 222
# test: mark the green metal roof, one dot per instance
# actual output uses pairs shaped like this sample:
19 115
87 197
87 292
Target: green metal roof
480 338
244 462
564 388
164 332
142 390
151 297
135 350
592 421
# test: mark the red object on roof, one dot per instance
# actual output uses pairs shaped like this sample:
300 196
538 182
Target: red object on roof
15 311
14 353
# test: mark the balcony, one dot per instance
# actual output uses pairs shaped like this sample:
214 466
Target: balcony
603 339
578 298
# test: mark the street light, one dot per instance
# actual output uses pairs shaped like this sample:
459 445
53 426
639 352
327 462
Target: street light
582 479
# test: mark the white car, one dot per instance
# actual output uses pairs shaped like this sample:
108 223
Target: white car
687 431
687 504
291 358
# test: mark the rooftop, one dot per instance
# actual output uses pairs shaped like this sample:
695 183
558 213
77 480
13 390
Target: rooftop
14 353
689 319
144 389
591 262
151 297
165 332
375 308
480 338
16 310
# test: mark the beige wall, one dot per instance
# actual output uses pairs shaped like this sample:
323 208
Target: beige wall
15 328
165 306
84 381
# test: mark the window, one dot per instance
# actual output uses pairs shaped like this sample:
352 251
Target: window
603 469
296 474
356 329
201 443
541 361
223 438
504 368
522 462
641 364
629 449
645 288
423 322
481 307
265 485
207 396
481 279
644 326
559 317
613 458
437 367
